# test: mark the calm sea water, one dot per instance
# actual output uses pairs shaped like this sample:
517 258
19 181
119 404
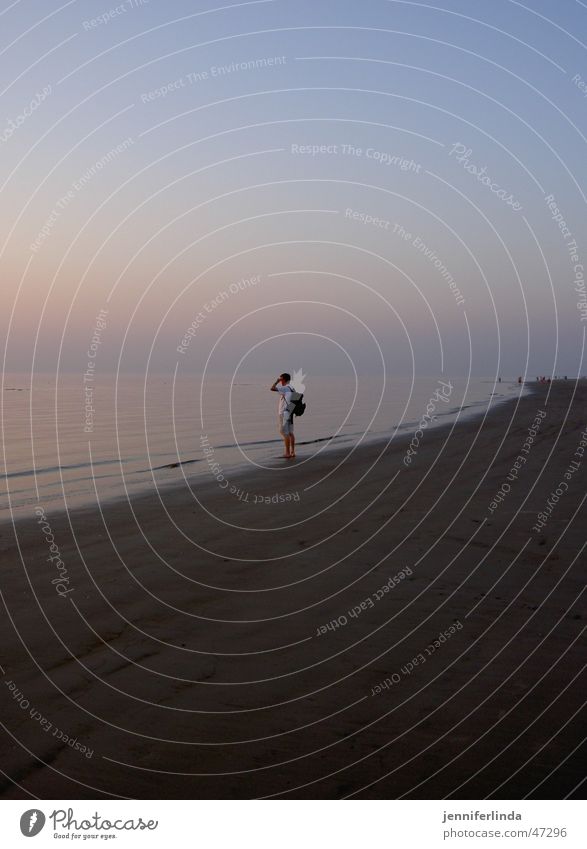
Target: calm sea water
66 443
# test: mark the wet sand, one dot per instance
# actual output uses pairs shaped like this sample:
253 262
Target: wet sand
198 651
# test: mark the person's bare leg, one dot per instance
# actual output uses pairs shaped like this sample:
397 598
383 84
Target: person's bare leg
292 446
285 438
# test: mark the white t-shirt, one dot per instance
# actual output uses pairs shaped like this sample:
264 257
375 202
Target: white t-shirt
284 397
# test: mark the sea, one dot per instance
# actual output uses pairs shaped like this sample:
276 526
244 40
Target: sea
69 442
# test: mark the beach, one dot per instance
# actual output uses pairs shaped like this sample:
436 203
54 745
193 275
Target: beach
385 623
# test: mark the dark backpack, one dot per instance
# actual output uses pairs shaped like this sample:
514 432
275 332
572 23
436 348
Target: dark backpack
299 408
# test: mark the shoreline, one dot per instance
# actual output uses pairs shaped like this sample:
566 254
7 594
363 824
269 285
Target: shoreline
402 434
195 654
44 482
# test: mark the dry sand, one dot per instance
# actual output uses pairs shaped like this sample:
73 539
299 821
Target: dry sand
187 660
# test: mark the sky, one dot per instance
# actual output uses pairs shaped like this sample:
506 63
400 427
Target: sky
347 186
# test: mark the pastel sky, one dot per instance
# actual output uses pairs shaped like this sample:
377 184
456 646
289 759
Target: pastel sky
385 177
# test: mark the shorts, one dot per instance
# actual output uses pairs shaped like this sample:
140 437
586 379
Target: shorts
286 427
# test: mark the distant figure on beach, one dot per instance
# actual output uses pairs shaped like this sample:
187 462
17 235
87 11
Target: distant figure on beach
285 415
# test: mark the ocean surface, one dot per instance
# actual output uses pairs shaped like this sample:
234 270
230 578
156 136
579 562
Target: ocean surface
68 443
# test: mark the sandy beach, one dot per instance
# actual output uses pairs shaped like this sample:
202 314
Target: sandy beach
360 626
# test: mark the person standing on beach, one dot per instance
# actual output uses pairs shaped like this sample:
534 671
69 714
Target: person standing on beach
285 414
